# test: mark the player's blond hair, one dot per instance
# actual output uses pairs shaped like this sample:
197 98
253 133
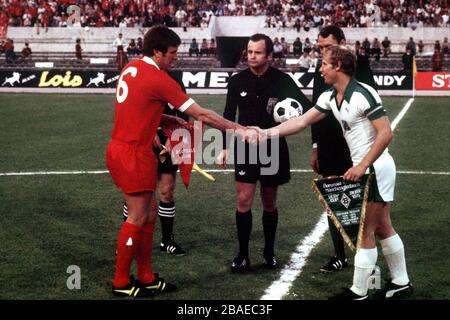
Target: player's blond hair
343 57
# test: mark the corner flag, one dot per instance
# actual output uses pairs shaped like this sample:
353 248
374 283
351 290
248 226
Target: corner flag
414 67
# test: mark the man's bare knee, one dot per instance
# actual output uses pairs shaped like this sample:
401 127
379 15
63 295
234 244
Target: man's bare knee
244 203
166 194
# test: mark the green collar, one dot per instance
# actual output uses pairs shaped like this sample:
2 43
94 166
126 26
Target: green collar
348 91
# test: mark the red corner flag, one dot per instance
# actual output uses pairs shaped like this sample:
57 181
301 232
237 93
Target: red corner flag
183 143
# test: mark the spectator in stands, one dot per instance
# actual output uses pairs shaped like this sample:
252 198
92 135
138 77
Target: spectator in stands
26 52
376 49
362 58
297 25
180 16
204 48
212 47
412 46
304 62
193 48
297 47
132 48
10 55
437 60
445 46
437 45
420 46
407 60
78 50
307 46
204 21
290 22
386 44
357 47
366 45
285 46
277 49
121 59
44 14
2 47
139 45
119 42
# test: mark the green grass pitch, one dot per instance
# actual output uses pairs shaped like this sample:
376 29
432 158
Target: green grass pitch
50 222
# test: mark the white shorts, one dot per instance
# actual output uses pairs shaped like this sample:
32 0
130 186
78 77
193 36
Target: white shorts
384 182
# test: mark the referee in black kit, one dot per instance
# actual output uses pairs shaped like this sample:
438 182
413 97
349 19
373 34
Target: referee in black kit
331 156
253 93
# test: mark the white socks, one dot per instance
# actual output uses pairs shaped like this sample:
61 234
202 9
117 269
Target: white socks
365 260
394 254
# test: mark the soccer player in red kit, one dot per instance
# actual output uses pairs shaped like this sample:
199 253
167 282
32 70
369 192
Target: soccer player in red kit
143 90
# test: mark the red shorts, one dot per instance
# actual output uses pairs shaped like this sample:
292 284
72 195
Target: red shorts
132 168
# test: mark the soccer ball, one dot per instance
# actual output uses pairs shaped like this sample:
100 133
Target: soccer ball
287 109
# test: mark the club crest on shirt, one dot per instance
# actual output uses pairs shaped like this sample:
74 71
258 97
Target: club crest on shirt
271 105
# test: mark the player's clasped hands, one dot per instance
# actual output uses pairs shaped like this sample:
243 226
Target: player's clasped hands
254 135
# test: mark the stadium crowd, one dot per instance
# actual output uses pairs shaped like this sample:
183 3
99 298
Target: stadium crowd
189 13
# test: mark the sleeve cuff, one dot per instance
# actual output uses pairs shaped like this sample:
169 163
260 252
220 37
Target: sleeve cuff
322 109
186 105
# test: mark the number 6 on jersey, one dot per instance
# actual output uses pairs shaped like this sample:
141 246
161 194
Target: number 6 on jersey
122 87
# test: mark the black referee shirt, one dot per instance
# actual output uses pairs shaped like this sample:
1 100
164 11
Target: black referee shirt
254 97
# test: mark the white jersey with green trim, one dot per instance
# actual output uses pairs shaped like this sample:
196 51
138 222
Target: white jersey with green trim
360 105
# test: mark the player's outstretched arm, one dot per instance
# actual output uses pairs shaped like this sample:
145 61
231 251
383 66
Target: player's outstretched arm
168 120
296 124
213 119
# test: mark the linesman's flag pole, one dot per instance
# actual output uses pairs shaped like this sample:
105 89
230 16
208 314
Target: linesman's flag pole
414 72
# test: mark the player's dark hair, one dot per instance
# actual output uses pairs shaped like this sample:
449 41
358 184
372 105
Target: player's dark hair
335 31
343 57
268 42
159 38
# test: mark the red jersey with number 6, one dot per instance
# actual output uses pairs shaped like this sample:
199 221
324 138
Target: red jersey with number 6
142 92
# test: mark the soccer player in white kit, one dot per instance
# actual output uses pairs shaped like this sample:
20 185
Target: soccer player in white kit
367 130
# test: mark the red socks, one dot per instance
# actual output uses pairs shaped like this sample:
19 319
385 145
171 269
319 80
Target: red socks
128 242
144 254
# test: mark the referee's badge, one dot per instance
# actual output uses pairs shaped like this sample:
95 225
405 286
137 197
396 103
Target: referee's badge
271 105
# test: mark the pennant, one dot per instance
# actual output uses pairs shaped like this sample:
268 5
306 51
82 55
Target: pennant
183 145
345 203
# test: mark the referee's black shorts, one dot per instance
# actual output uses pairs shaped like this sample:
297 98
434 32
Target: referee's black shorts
167 166
250 170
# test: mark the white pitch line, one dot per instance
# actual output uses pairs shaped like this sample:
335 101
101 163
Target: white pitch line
79 172
38 173
292 270
402 113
